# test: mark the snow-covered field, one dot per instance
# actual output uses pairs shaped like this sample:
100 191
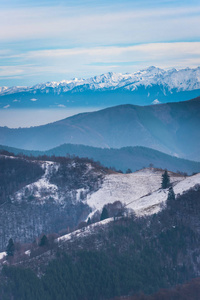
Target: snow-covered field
139 191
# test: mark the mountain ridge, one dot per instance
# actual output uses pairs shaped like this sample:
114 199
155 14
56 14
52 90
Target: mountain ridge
170 128
149 86
146 77
134 158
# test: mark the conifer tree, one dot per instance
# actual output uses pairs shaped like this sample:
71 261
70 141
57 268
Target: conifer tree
43 241
171 194
170 199
10 248
89 222
128 171
165 180
104 214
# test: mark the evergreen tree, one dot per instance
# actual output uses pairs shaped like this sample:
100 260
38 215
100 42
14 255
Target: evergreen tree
128 171
104 214
165 180
89 221
43 241
10 249
171 195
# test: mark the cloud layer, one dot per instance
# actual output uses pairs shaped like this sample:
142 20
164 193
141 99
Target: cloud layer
54 42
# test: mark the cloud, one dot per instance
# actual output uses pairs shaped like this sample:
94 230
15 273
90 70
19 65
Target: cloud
61 64
87 26
54 41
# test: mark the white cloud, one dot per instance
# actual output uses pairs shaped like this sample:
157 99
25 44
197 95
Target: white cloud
85 62
80 41
79 26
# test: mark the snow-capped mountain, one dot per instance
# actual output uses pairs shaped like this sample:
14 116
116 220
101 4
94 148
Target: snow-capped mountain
182 80
149 86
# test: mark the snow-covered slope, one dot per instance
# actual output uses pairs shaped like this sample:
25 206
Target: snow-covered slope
41 189
181 80
44 190
83 231
139 191
70 191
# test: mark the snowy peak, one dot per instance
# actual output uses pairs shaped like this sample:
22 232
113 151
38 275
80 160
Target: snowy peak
182 80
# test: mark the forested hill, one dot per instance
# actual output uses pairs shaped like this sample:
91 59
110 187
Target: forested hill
127 256
125 159
44 194
172 128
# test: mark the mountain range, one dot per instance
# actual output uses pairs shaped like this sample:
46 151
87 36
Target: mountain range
149 86
172 128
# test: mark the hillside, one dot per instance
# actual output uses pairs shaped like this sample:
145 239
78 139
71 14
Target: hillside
44 196
127 158
115 258
172 128
134 158
69 190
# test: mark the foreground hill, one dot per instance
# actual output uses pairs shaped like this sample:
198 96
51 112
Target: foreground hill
172 128
60 193
125 159
127 256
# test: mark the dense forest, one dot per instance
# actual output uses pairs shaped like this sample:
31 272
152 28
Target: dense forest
128 257
16 173
30 206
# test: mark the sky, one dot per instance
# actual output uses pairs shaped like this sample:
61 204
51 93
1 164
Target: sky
52 40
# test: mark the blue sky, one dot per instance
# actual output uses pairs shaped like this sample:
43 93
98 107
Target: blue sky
55 40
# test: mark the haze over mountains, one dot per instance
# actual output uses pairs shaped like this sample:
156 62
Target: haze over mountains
151 85
171 128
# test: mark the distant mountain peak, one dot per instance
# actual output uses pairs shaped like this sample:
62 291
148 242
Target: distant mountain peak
184 80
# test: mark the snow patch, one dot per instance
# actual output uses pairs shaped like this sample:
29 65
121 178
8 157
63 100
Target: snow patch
2 255
28 252
42 189
156 101
83 231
